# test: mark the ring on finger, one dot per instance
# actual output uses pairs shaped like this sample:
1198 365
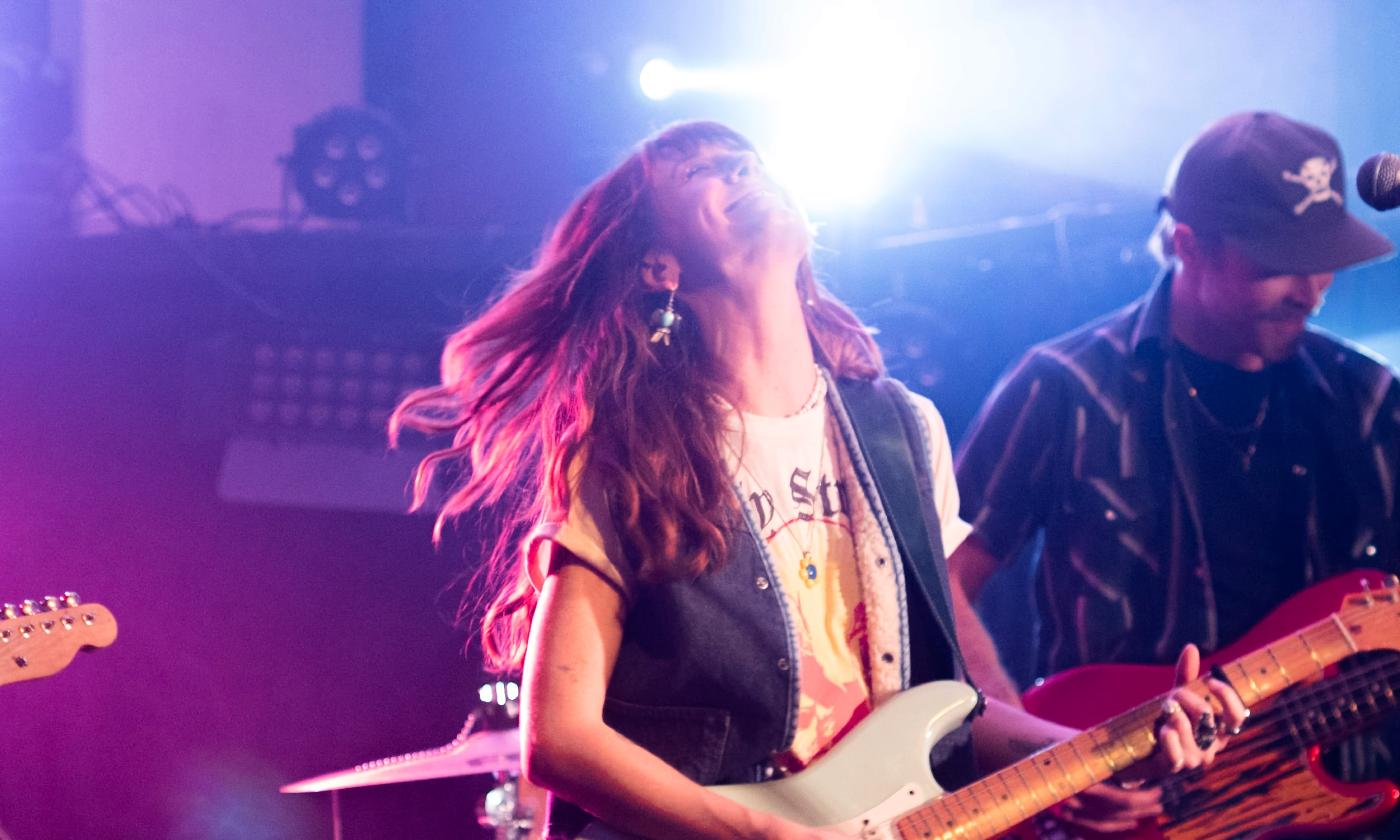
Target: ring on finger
1169 710
1206 731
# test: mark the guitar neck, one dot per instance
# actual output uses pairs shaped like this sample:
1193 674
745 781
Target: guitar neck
1339 707
41 641
994 804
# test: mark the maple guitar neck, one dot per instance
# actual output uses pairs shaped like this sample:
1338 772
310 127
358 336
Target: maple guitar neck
1340 707
41 638
995 804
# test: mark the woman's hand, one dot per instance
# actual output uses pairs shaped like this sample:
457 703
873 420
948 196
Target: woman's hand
1108 807
784 830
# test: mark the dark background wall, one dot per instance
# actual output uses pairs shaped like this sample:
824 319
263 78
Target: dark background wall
269 638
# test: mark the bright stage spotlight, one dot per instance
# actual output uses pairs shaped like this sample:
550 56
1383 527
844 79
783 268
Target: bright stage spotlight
658 79
844 111
837 109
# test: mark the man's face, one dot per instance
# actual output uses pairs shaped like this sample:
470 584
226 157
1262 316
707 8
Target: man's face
720 201
1257 311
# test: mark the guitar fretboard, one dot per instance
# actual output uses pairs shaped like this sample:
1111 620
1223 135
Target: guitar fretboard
993 805
1339 707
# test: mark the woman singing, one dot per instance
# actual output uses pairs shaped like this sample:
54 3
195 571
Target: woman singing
699 577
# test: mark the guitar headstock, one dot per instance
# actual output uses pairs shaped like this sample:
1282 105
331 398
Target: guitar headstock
1372 616
39 638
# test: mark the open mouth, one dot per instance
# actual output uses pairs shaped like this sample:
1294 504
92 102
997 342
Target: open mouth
743 199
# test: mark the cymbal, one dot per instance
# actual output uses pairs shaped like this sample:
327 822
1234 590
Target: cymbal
468 754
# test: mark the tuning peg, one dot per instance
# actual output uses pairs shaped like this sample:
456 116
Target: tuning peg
71 599
1392 581
28 607
52 604
1366 588
9 611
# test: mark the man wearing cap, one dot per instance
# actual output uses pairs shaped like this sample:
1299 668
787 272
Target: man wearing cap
1195 458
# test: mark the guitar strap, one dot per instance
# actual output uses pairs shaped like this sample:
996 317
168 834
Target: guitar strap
892 441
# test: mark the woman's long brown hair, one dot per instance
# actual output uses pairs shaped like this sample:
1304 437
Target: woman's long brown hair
560 369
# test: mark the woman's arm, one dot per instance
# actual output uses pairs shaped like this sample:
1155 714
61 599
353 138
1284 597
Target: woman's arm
574 639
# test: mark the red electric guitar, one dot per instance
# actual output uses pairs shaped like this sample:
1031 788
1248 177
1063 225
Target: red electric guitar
40 638
1269 782
875 784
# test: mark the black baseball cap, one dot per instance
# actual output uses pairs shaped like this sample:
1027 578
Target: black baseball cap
1274 187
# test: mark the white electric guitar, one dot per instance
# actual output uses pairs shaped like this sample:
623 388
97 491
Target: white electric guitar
876 782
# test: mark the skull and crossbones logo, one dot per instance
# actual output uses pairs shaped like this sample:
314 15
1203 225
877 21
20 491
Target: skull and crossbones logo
1316 175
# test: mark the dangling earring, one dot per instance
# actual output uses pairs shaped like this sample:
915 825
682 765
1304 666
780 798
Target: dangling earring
663 319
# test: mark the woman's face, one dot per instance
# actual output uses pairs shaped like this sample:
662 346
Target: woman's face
720 203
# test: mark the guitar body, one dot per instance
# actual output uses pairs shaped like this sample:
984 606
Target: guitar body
1261 793
1262 785
876 784
1084 696
878 771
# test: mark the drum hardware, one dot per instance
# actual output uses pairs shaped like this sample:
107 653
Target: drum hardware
509 809
505 811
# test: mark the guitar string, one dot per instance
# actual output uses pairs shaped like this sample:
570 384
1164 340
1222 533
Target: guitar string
1279 716
1279 736
1289 710
1338 688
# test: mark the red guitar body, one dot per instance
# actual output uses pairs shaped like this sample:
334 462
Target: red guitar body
1268 783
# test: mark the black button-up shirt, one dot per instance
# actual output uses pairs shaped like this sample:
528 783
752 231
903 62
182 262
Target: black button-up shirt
1088 439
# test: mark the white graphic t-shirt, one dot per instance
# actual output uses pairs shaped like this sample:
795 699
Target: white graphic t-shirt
793 478
797 483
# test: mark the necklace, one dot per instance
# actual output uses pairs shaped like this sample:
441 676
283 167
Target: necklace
1250 432
806 565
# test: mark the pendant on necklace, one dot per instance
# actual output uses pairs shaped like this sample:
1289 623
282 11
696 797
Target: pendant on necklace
809 570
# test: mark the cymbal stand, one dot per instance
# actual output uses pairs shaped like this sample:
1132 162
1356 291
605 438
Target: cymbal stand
503 811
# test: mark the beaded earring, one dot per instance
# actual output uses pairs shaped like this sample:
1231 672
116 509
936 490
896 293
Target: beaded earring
664 319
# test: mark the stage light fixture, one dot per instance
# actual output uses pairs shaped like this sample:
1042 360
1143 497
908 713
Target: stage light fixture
328 392
351 163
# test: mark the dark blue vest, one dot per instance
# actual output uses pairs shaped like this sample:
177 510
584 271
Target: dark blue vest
706 677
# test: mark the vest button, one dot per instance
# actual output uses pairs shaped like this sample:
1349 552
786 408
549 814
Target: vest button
761 582
783 664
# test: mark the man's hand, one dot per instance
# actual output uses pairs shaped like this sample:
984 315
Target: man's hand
1190 732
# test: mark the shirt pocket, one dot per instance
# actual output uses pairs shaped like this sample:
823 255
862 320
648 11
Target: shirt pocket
1113 528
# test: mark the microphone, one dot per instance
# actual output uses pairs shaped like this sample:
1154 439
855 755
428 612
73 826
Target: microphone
1378 181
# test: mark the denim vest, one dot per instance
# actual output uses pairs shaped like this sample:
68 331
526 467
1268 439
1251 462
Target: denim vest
705 676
